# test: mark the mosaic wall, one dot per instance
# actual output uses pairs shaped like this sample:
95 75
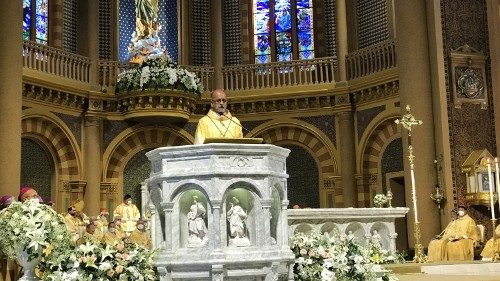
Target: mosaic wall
73 123
105 38
365 116
231 25
304 178
135 172
372 22
326 124
36 168
467 24
200 36
330 28
70 25
392 159
111 129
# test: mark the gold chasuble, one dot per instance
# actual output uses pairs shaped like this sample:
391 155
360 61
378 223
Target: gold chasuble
129 215
437 247
141 239
461 242
489 249
214 125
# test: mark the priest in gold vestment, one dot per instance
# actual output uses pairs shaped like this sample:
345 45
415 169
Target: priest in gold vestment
437 247
460 246
111 237
489 249
218 123
128 213
140 237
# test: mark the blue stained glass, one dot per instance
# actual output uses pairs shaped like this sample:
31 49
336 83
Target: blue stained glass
283 16
42 13
261 23
261 6
306 55
304 4
306 41
26 19
263 59
285 57
283 42
262 44
304 19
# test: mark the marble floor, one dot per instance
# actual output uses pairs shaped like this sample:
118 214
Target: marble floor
459 271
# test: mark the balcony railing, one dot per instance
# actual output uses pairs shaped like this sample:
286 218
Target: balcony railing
108 73
56 61
372 59
279 74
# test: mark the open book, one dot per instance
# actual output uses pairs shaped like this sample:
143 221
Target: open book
234 140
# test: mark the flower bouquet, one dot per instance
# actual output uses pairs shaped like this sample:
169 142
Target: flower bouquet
379 200
124 261
31 231
159 71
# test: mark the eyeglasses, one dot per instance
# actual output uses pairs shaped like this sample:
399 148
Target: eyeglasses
220 100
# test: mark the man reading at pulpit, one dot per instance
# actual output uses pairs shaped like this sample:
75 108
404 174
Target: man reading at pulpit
218 123
460 246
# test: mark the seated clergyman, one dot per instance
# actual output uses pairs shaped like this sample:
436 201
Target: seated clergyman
463 237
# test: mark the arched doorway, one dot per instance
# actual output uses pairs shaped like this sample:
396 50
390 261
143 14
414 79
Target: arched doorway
37 168
136 171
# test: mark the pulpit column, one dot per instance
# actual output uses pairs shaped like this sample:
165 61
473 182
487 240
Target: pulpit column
167 209
217 45
216 212
264 236
348 158
11 86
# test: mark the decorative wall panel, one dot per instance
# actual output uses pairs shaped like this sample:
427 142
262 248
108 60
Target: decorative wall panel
372 22
105 30
231 25
200 21
70 26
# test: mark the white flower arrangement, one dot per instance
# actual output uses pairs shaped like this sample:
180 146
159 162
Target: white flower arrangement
159 71
325 258
379 200
33 228
124 261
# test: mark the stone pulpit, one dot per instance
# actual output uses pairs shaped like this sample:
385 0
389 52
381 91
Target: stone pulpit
219 212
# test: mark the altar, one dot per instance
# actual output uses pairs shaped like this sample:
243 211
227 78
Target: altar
219 212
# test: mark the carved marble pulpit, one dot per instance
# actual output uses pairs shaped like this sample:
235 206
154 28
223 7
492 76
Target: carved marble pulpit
219 212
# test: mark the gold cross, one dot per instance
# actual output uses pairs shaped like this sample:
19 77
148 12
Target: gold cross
408 120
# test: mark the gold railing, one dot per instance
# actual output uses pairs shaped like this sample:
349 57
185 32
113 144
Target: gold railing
205 73
56 61
279 74
372 59
108 73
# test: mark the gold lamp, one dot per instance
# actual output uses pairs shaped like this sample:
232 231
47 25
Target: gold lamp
476 169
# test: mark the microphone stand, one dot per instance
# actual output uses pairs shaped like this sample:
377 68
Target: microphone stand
231 119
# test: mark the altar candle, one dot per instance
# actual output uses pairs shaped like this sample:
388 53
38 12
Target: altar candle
490 181
497 181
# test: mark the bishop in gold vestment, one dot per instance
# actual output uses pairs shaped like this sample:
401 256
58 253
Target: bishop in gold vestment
218 123
437 247
128 213
462 239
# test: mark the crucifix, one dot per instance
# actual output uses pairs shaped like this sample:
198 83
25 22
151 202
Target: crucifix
408 121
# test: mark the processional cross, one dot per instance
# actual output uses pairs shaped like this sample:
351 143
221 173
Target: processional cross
408 121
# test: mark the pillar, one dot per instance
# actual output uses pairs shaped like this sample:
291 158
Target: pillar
185 35
348 158
341 20
217 46
88 40
11 86
92 143
493 9
415 90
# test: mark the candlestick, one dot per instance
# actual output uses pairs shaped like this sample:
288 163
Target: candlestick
497 181
490 183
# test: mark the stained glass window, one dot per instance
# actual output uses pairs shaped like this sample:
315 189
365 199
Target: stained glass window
36 20
278 34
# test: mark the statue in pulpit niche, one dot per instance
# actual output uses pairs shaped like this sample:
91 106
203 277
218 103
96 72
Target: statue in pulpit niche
196 224
237 229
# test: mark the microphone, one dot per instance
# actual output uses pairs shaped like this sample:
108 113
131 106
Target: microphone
231 119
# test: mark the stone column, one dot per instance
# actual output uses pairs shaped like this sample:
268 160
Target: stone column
88 40
341 19
167 209
217 45
11 86
92 163
215 239
348 158
493 8
415 90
